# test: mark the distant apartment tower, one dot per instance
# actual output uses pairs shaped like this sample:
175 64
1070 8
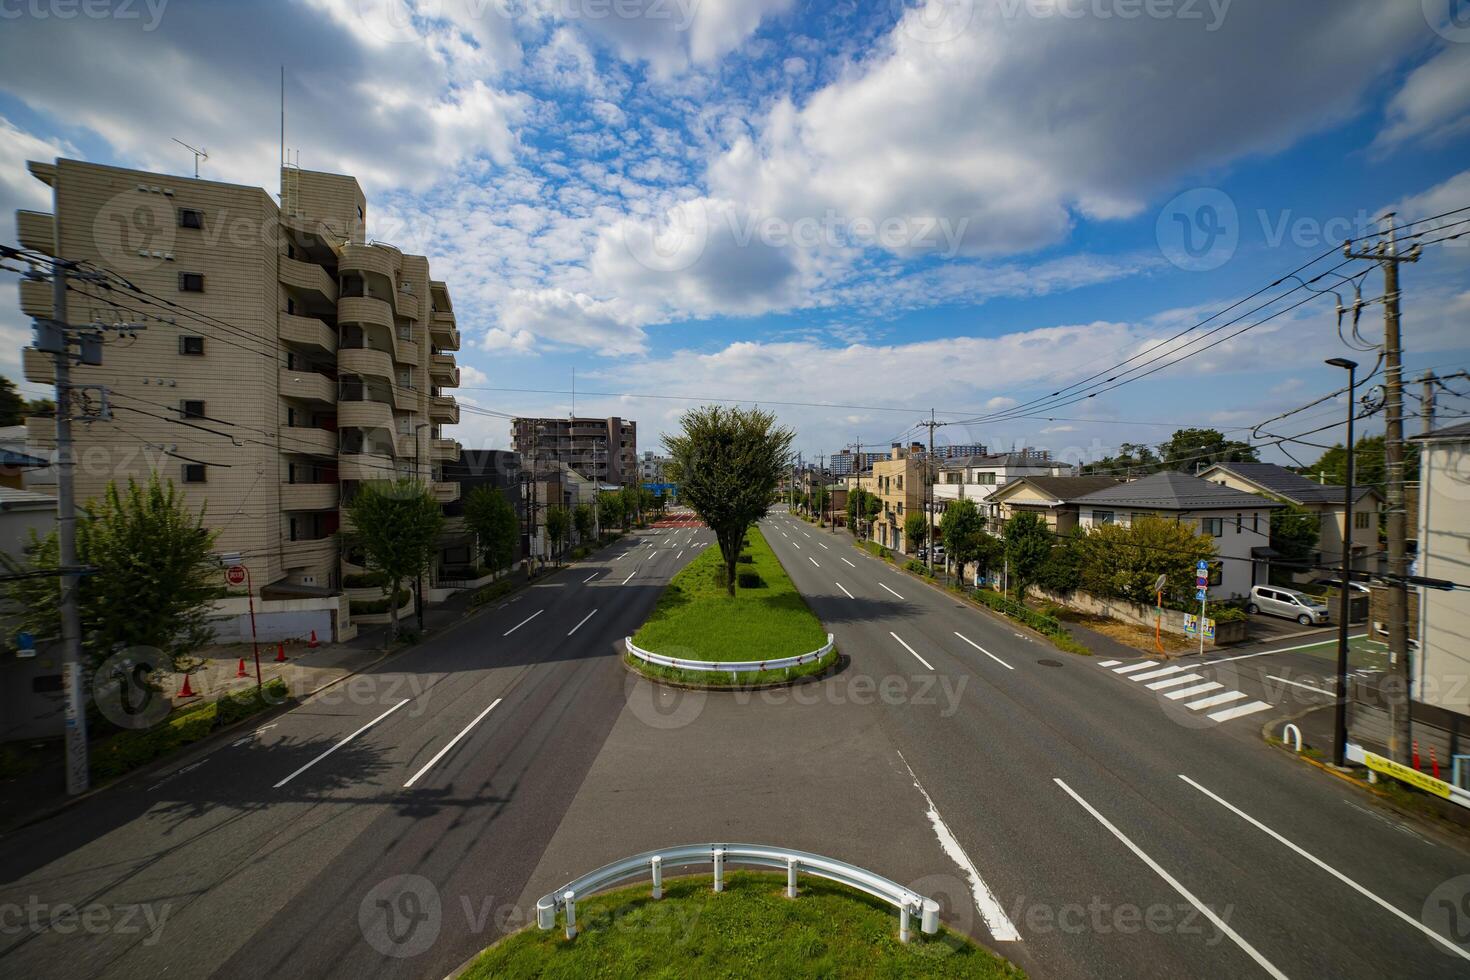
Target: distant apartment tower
603 450
297 361
651 468
960 451
846 462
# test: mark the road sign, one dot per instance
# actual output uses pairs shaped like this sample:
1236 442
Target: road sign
25 644
1202 565
1200 595
235 575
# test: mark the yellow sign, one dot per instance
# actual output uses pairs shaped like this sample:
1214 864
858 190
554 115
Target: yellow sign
1406 774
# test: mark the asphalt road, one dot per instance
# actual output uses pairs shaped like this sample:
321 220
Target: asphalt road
1064 813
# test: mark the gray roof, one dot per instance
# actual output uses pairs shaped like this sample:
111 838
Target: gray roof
1066 488
997 459
11 459
1461 431
1172 490
13 499
1283 483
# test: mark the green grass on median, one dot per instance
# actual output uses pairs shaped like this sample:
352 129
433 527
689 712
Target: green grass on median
749 930
696 619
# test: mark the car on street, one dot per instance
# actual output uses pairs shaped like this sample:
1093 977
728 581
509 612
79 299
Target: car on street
1274 600
1332 583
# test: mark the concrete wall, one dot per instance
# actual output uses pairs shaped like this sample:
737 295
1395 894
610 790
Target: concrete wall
1444 543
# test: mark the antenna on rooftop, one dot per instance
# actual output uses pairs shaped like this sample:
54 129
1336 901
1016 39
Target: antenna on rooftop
198 155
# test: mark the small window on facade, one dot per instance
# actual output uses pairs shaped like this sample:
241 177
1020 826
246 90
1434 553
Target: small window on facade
1239 521
191 345
1362 520
194 473
1103 517
1217 574
1213 526
191 282
190 218
191 409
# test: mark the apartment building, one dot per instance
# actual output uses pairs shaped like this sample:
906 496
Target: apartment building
846 461
651 468
601 450
899 483
286 360
978 477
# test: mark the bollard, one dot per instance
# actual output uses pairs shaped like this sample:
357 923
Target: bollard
903 924
546 913
929 917
791 877
719 869
570 898
658 876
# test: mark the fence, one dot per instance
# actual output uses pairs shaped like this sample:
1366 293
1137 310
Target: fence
733 666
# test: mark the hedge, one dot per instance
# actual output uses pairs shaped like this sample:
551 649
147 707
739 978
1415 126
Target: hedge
364 580
372 607
1048 626
495 590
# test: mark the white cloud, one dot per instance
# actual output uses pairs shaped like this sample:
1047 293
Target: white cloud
1434 100
672 35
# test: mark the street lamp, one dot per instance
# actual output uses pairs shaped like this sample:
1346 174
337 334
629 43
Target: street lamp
1339 747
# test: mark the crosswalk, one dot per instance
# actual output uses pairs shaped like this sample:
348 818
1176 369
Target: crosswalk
1196 692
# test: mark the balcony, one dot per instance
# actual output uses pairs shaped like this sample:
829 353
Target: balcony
443 370
36 230
444 335
308 554
365 361
365 414
405 351
365 466
445 450
370 260
308 333
309 278
308 496
445 493
405 399
308 441
443 408
38 368
35 298
365 309
407 304
308 386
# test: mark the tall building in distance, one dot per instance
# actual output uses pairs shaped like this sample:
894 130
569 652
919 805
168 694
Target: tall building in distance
960 450
285 359
651 468
846 462
602 450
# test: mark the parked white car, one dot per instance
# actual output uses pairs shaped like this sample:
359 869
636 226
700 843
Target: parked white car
1276 601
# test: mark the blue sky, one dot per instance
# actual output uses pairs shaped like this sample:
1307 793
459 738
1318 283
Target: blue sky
891 207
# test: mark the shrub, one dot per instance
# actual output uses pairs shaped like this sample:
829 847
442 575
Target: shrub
918 568
127 750
750 580
579 552
364 580
746 559
372 607
495 590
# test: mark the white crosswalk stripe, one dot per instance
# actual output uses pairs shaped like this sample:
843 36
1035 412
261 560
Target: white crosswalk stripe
1177 683
1213 700
1238 711
1174 681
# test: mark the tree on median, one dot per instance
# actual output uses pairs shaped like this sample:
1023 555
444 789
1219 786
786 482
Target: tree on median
493 520
730 461
397 526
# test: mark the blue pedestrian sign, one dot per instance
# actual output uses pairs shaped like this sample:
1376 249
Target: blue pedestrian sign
1200 595
1202 565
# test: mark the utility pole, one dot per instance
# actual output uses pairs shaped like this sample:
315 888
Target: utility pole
1428 383
929 492
1386 255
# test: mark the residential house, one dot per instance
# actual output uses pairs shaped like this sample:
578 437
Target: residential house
1443 662
1239 522
899 483
1053 497
1322 499
978 477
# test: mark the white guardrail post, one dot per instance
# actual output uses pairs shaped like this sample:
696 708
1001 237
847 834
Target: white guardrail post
652 863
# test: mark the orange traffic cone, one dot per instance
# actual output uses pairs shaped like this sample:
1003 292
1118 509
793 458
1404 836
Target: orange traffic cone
186 691
312 644
240 671
1416 756
1433 762
280 653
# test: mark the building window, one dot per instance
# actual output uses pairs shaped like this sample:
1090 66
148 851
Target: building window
191 345
191 282
194 473
1239 521
1103 517
1213 526
1362 520
191 409
1217 574
190 218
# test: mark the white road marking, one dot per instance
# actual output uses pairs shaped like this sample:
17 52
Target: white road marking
1162 672
1174 681
1209 913
910 650
1138 666
824 547
984 651
1264 653
1239 710
1458 950
341 743
1002 929
584 620
812 560
1109 663
796 546
1210 702
523 622
1190 692
452 742
1300 684
849 564
621 557
890 590
845 592
679 555
630 576
589 578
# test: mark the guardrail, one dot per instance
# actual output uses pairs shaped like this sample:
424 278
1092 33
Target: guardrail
652 864
733 666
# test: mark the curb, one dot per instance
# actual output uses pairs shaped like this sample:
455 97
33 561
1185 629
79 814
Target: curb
838 664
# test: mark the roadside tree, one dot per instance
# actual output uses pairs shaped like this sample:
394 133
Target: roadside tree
493 520
1124 561
1028 542
397 526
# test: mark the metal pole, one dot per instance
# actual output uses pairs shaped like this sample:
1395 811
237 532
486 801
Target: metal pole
929 499
1202 627
254 640
1339 746
78 770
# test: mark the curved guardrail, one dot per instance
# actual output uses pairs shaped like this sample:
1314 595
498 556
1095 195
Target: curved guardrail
652 863
733 666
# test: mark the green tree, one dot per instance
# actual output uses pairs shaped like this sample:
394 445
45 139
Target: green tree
856 508
821 496
1125 561
1028 542
962 527
1295 533
1134 459
397 526
558 526
493 520
12 405
631 501
584 519
915 530
1369 468
731 460
1062 570
155 575
1191 449
609 510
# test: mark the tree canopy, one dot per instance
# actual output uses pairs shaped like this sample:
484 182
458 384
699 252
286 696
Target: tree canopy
730 461
397 526
493 520
1028 542
1369 468
1187 450
1125 561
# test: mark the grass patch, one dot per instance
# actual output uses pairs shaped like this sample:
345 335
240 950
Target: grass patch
696 619
875 549
127 750
1047 626
749 930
